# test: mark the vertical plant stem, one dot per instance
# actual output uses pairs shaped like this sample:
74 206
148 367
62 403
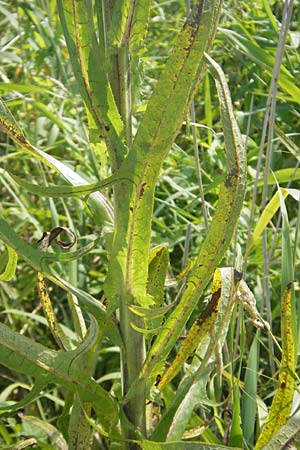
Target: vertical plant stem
132 359
122 90
133 354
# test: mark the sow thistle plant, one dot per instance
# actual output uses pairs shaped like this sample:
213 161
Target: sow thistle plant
103 38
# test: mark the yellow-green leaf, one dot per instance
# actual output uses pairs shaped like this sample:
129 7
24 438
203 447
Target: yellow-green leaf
11 265
157 271
283 399
267 215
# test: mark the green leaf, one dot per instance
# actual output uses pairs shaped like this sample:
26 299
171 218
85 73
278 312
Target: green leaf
65 191
270 15
200 329
236 433
56 438
219 235
249 394
139 27
8 87
28 357
100 206
29 398
268 213
151 313
283 176
120 22
192 390
287 262
78 27
160 124
285 435
286 81
157 272
11 265
38 260
287 142
181 445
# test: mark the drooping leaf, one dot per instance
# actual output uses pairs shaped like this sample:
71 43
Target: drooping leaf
38 260
47 366
71 191
55 328
201 328
101 208
192 390
151 313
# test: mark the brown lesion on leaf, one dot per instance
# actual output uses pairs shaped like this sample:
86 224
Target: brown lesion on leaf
195 18
158 379
231 174
142 190
211 308
21 139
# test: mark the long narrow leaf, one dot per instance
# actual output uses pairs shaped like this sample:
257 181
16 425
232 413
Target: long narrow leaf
219 234
285 435
192 390
65 191
26 356
38 260
156 133
283 399
249 394
100 206
84 52
150 445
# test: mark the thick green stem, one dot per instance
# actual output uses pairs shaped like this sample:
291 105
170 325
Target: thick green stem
133 358
80 432
133 354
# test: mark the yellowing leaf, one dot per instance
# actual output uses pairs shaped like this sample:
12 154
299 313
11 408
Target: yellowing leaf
283 399
267 215
201 327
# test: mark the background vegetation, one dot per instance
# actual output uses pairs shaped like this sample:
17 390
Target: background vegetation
37 82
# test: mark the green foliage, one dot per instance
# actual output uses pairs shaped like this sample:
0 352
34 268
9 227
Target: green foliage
99 135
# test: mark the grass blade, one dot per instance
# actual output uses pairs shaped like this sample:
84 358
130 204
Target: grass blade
248 412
